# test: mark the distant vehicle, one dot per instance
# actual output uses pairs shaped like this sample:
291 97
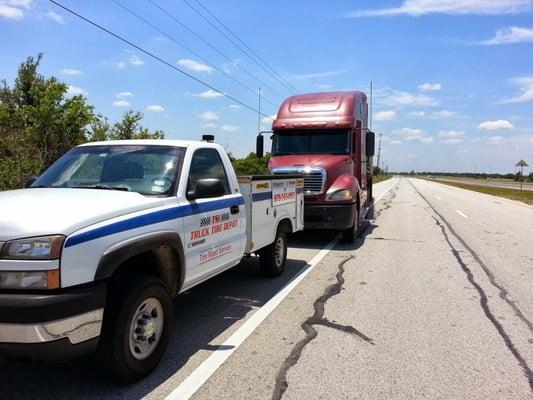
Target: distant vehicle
325 137
92 253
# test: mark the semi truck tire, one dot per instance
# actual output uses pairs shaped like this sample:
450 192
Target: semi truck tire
349 235
370 193
272 258
136 329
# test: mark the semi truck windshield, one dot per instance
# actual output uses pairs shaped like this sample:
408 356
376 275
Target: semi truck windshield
311 141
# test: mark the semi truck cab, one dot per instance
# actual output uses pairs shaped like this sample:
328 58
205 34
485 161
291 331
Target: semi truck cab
325 138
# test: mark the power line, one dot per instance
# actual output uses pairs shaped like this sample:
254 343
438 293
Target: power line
245 45
189 50
155 57
168 14
235 44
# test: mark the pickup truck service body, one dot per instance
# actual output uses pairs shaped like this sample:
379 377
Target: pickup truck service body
92 253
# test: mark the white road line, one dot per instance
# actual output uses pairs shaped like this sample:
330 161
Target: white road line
438 198
200 375
462 214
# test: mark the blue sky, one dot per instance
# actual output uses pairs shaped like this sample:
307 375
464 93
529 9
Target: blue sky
453 79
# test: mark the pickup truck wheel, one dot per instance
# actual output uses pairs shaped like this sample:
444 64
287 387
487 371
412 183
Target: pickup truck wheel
272 258
349 235
137 325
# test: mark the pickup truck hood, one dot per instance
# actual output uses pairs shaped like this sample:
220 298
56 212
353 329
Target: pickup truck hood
47 211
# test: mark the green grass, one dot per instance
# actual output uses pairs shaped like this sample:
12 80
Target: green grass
525 196
380 178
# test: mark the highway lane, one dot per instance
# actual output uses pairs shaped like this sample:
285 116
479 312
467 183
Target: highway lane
204 318
410 311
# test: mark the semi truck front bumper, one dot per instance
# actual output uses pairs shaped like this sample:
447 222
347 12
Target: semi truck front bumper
51 327
329 216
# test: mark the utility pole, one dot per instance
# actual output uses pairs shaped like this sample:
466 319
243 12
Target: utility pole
379 150
371 109
259 112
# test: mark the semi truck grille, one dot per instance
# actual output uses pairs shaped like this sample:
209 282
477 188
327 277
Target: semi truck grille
314 178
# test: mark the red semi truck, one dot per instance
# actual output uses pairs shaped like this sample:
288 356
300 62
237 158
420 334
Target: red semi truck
325 138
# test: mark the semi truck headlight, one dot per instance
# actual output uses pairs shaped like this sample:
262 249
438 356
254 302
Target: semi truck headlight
36 248
340 195
29 279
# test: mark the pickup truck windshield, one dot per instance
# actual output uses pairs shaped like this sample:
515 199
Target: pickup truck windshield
311 141
149 170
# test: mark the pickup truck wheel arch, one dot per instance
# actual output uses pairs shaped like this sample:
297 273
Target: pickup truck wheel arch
117 256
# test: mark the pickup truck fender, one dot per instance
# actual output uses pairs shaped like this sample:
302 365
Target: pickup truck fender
116 255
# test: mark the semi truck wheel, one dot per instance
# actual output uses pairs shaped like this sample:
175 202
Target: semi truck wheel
349 235
370 194
137 325
272 257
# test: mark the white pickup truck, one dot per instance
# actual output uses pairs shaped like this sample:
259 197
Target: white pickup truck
93 252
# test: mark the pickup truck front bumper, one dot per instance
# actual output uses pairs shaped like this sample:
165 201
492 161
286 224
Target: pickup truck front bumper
326 216
51 327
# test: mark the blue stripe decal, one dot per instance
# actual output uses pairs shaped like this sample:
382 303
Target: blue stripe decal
261 196
152 218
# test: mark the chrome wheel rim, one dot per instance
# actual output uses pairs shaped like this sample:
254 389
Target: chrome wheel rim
146 328
280 251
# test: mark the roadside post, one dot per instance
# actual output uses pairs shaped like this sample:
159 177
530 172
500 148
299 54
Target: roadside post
521 164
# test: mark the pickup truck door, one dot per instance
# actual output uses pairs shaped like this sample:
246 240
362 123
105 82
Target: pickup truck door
213 226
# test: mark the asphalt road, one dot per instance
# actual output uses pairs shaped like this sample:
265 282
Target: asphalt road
433 301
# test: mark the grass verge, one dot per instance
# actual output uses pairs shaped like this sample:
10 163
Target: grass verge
525 196
380 178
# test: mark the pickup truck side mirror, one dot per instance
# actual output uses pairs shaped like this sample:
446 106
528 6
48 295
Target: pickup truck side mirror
370 143
259 144
206 188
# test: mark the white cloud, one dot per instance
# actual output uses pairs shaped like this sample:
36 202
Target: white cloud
495 139
55 17
501 124
417 114
71 72
120 64
442 114
433 87
452 141
324 74
235 107
451 134
121 95
410 134
27 4
75 91
208 116
209 94
525 91
513 34
155 108
209 125
230 128
11 12
408 99
195 66
416 8
121 103
322 85
135 60
395 142
268 120
385 115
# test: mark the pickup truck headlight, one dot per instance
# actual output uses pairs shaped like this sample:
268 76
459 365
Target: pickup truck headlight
339 195
29 279
36 248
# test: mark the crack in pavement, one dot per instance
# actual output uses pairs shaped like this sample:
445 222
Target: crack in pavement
316 319
502 290
483 300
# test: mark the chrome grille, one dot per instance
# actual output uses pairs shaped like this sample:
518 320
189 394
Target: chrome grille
314 177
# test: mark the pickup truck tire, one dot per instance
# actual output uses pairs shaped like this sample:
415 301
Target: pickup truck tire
272 258
350 235
136 329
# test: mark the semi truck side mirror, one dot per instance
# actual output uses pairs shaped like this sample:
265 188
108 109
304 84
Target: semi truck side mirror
370 143
259 144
